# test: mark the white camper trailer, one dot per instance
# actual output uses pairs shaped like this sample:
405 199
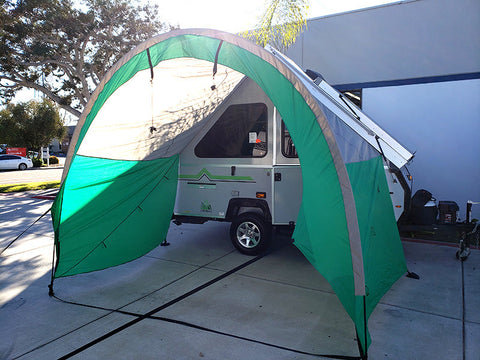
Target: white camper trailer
243 167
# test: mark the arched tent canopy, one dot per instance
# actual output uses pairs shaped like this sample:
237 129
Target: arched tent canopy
120 179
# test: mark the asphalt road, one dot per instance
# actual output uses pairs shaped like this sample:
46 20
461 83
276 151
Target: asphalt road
30 175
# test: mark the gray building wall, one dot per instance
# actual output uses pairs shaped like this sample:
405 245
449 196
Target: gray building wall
403 40
418 65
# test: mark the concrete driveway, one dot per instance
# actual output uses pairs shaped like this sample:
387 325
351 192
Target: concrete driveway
277 307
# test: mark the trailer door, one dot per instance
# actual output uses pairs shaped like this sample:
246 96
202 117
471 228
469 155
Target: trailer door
287 194
287 176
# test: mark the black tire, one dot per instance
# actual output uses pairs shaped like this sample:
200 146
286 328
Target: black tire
22 166
250 234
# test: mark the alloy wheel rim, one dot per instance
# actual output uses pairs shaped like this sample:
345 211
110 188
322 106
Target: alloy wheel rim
248 234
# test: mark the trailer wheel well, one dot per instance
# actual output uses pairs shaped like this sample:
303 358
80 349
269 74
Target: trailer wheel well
239 206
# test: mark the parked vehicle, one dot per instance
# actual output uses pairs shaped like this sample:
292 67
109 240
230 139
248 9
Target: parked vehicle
243 166
10 162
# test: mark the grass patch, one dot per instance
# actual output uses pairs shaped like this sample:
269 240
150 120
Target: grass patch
30 186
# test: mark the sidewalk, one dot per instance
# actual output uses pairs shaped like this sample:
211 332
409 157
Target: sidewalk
278 307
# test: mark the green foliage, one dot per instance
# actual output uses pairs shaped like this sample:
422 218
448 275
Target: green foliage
53 160
37 162
64 47
29 186
281 23
31 125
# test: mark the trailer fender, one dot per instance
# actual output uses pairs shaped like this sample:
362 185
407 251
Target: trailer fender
238 206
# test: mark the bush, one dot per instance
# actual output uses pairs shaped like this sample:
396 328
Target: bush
53 160
37 162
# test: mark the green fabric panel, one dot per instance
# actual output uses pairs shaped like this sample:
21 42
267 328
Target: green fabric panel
383 258
112 212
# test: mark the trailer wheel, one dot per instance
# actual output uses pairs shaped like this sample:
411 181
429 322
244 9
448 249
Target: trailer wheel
250 234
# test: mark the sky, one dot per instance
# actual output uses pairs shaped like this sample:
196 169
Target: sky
239 15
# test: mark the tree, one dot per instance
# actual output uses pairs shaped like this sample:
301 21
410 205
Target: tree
32 125
281 23
63 48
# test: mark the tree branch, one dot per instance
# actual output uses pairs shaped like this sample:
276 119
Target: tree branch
80 67
31 85
70 72
61 64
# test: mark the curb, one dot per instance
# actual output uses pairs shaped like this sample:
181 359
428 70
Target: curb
44 197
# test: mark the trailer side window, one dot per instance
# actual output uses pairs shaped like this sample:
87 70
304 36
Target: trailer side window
288 147
240 132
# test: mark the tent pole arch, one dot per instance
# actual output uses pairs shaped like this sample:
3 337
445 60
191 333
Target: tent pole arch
326 177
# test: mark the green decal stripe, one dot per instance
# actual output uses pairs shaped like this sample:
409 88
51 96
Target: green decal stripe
214 177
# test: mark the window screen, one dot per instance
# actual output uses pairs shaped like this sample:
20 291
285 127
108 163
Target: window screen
240 132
